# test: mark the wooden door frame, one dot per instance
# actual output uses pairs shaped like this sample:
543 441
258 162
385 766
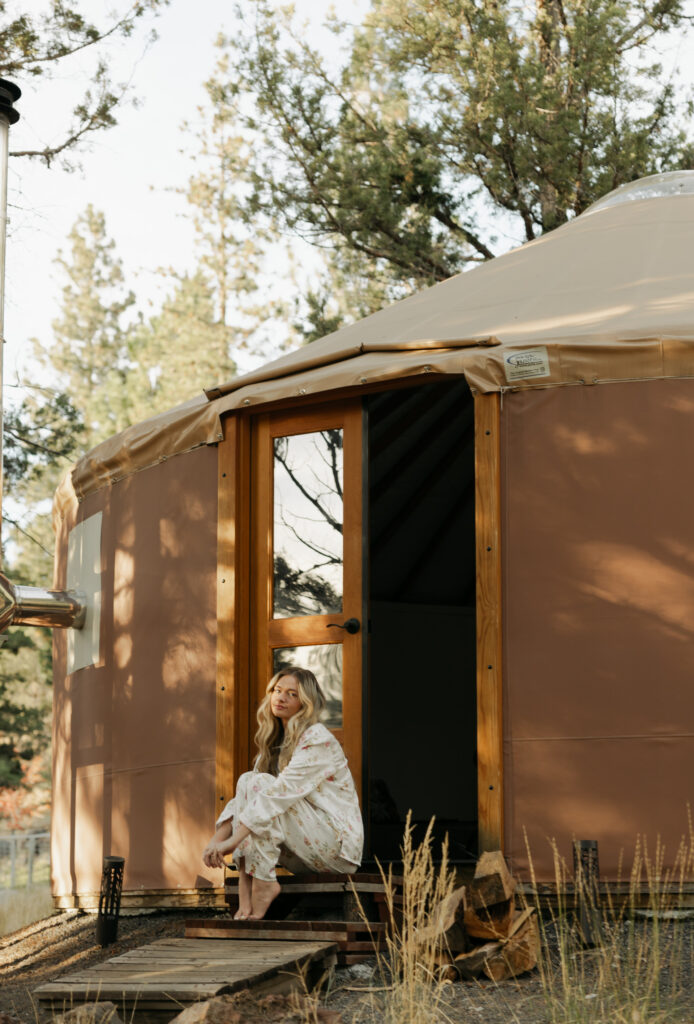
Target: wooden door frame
490 749
233 619
232 753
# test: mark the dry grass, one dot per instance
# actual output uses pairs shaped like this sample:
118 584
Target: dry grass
407 975
640 971
19 907
640 966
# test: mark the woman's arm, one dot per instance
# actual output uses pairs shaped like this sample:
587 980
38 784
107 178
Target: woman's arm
229 845
312 761
211 854
223 843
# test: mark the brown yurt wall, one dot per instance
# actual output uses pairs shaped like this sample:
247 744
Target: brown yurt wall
598 537
134 736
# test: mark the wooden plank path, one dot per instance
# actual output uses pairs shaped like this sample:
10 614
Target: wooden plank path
157 981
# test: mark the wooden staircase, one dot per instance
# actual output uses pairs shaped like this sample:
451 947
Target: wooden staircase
351 910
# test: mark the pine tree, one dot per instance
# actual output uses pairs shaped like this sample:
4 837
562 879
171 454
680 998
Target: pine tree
452 121
249 265
88 356
179 351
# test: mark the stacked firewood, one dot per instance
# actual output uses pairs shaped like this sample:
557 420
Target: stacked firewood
478 929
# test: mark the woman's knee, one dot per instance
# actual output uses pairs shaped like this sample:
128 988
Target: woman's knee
242 785
251 783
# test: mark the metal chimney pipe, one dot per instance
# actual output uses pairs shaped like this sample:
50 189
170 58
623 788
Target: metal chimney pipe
36 606
9 94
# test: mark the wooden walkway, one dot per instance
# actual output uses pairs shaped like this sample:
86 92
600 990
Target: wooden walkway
157 981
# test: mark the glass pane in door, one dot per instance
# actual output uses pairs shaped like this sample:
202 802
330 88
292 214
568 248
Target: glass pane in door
325 661
308 523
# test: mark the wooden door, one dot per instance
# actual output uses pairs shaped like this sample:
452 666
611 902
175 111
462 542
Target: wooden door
306 543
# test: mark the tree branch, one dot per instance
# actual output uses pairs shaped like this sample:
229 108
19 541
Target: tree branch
29 536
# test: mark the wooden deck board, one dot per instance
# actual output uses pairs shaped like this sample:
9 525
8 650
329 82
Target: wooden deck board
156 981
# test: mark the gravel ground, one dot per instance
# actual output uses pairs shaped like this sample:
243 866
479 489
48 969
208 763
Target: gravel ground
49 948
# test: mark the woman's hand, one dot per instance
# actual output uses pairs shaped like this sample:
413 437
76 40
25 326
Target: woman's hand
213 855
221 845
214 847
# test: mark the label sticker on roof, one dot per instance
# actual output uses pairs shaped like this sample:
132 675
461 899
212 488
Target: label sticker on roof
529 362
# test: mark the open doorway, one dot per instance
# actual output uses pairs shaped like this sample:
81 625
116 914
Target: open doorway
420 740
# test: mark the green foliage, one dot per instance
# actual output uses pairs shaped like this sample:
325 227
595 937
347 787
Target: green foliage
442 124
89 351
37 43
318 318
238 249
90 400
24 702
179 351
446 110
36 435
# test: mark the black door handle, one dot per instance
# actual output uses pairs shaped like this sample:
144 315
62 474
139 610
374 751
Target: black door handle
351 625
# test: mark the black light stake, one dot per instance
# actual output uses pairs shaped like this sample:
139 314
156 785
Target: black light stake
109 900
587 877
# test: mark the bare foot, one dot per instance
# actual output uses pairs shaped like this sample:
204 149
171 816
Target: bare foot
245 890
263 895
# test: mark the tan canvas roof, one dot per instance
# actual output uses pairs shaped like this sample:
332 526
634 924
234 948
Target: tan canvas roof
608 296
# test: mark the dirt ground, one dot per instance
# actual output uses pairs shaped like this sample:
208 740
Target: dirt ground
43 951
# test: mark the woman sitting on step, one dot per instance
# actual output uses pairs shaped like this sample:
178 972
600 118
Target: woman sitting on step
298 807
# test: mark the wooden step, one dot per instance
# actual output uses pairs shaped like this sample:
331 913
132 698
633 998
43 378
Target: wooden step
327 895
359 938
324 883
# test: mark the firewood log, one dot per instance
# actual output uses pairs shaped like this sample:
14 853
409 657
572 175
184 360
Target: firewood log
492 882
518 954
491 922
446 929
445 967
469 965
520 917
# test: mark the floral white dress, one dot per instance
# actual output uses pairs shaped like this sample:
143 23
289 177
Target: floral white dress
307 818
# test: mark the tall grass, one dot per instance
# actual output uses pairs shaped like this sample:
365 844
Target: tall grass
413 991
634 973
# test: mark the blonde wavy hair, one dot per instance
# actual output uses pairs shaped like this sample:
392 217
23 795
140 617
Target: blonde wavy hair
277 744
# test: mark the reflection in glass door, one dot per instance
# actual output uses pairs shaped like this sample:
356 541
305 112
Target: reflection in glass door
325 661
307 557
308 524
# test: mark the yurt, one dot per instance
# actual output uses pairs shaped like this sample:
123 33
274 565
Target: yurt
470 513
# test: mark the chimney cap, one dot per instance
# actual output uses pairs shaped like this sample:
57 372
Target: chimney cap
9 94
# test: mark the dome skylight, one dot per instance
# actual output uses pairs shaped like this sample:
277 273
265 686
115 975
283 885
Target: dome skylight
655 186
